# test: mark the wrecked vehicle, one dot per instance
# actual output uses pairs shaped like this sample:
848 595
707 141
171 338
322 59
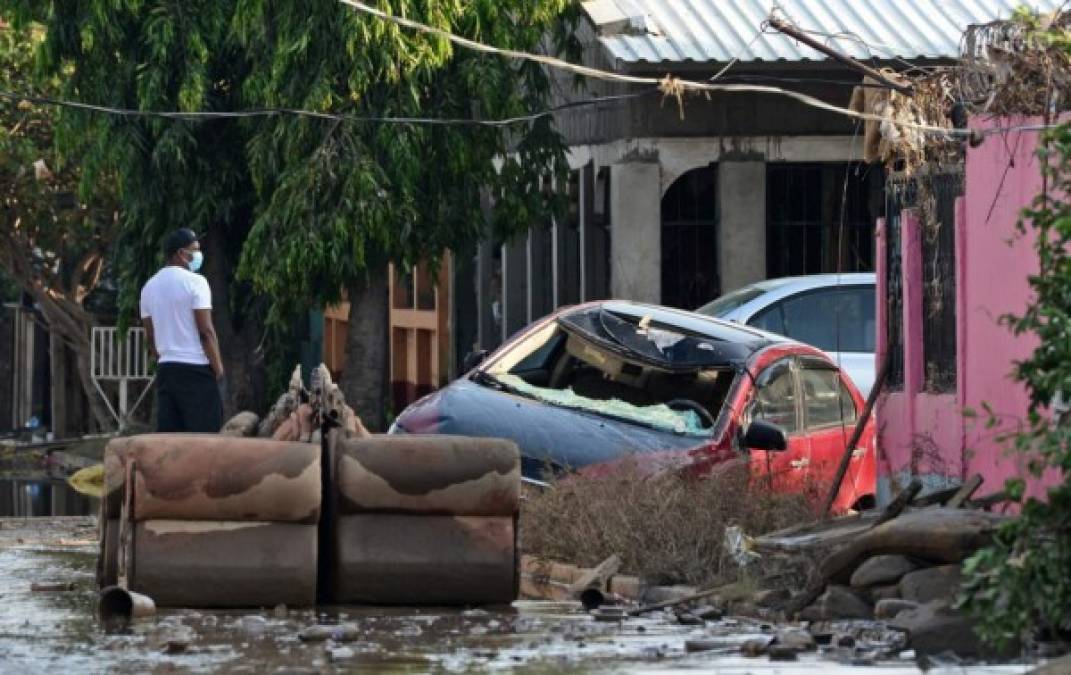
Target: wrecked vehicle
614 382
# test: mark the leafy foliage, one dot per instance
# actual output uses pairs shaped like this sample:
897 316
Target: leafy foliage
299 208
1021 583
53 239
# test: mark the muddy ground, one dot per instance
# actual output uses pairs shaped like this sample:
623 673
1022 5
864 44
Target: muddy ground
56 631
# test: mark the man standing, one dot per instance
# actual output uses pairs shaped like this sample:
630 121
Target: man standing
176 307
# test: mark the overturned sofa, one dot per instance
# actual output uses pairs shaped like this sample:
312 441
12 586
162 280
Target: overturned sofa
215 521
424 520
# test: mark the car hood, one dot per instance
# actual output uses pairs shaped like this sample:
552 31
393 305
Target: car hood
549 436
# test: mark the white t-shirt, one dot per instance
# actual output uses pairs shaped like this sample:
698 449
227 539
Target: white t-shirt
169 299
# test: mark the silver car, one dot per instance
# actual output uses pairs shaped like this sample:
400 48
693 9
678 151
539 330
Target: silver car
834 312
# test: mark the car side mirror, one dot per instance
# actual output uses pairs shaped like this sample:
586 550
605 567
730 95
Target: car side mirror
474 359
762 435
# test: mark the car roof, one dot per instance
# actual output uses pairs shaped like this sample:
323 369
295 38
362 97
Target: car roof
816 281
740 341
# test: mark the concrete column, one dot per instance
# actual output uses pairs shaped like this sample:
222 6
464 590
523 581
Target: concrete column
636 231
742 223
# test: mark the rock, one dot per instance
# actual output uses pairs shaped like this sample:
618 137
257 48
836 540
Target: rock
889 608
756 646
844 641
935 628
838 602
928 585
795 638
880 570
176 645
775 597
884 592
343 633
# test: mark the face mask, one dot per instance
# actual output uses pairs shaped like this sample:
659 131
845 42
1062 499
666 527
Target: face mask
196 260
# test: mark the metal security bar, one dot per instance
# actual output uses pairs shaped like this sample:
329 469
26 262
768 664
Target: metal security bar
121 357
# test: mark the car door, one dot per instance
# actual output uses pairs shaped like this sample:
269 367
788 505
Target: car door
829 415
776 400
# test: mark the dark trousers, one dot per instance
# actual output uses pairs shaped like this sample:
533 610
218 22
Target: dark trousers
187 399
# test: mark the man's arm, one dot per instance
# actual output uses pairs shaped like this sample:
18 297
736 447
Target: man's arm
151 337
209 340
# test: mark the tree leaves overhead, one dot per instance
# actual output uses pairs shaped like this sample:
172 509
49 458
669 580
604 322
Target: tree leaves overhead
306 205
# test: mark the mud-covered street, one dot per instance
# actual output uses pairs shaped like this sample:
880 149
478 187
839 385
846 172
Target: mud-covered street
48 631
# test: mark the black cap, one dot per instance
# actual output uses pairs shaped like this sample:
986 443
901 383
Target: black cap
178 239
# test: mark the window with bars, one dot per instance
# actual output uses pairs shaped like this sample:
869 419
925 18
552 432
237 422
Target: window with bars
820 217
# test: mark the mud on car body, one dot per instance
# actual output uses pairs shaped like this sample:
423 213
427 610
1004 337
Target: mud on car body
602 384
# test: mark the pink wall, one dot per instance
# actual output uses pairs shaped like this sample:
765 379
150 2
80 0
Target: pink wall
927 435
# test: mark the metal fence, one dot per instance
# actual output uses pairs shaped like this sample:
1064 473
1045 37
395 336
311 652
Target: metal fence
120 357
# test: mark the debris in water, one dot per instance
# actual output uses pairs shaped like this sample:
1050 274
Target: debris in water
52 587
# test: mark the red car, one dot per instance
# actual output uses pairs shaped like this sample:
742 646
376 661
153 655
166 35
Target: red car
596 385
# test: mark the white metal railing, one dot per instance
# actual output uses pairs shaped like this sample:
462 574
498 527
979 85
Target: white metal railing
121 357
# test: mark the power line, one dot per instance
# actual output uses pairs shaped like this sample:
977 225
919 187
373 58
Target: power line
336 117
669 85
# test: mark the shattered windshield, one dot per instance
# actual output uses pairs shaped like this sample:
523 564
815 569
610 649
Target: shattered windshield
561 367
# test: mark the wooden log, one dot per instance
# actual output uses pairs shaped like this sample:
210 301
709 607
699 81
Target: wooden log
673 603
857 433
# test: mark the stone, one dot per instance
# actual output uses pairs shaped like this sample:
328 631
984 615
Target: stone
884 592
935 628
756 646
838 602
930 584
1060 666
775 597
689 619
795 638
889 608
342 654
881 570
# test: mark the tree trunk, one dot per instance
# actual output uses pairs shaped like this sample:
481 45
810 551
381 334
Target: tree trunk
57 352
366 370
240 333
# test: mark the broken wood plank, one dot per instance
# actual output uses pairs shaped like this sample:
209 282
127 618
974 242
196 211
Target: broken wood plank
965 491
900 502
857 433
989 501
935 497
653 607
590 586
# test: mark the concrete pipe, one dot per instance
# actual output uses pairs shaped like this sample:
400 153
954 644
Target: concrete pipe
426 474
184 563
425 559
117 607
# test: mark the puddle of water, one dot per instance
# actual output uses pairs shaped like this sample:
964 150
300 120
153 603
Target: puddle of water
42 496
49 632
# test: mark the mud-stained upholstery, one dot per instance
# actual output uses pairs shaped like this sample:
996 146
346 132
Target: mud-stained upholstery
212 521
427 474
424 520
183 563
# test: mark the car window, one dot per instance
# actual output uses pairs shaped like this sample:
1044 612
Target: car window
837 320
775 397
730 301
825 400
771 319
540 358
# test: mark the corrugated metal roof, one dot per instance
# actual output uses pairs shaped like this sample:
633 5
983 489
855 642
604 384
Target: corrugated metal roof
720 30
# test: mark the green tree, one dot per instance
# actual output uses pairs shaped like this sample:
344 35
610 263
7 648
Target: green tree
298 210
53 240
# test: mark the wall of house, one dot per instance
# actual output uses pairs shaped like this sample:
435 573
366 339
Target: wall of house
925 434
